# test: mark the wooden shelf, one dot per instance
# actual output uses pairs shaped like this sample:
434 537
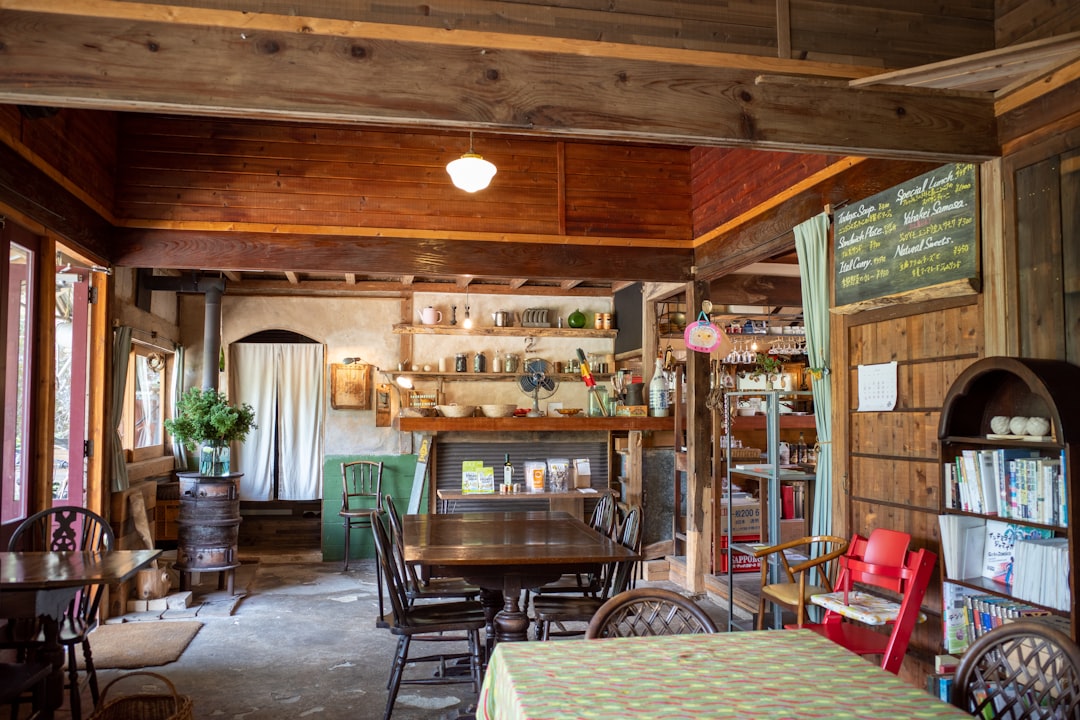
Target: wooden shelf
787 420
489 376
528 424
406 329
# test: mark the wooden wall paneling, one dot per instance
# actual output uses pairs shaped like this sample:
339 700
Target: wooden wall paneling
1070 228
840 28
888 481
998 264
1038 208
1026 20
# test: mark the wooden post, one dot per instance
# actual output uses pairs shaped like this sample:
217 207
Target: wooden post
698 452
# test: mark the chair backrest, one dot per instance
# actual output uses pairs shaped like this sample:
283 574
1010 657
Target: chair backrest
397 536
73 529
914 578
621 572
391 572
647 612
64 527
1025 670
822 553
878 560
361 485
603 515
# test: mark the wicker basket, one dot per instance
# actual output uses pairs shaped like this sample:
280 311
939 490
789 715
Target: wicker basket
171 706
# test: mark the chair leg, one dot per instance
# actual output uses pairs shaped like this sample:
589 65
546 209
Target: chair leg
73 679
348 527
761 613
91 672
396 670
379 586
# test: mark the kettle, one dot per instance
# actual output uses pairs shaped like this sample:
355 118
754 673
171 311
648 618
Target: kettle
503 318
430 316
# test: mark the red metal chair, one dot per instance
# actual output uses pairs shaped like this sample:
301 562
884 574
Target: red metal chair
881 561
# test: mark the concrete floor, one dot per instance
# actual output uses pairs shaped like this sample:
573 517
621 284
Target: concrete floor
300 642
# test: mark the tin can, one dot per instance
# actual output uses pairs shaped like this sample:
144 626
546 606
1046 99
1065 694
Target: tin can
607 321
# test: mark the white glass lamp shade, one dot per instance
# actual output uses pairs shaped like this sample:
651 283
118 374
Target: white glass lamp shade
471 172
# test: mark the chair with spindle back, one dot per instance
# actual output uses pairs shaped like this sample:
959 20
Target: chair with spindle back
72 529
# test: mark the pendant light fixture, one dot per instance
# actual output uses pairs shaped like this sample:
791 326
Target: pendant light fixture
467 324
471 172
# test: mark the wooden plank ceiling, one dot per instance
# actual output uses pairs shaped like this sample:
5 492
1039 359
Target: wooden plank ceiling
825 78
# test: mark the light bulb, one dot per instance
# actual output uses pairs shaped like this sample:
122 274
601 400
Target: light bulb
467 323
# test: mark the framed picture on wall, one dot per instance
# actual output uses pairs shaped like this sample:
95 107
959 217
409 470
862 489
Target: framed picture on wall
350 386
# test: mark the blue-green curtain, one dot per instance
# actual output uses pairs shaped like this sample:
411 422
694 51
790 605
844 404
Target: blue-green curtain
121 352
812 246
180 459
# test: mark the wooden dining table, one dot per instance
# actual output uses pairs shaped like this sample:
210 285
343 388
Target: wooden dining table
42 585
765 675
505 552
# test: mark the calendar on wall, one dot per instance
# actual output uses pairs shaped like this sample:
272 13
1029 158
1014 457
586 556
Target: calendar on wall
877 387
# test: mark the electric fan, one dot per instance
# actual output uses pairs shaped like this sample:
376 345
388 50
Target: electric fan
537 381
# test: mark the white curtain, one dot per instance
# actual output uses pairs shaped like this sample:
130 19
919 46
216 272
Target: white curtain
812 246
284 385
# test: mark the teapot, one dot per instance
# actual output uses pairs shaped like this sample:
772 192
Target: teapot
430 316
503 318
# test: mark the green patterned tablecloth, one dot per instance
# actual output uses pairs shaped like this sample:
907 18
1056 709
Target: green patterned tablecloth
769 675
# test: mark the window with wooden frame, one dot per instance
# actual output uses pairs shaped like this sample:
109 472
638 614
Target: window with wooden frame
143 424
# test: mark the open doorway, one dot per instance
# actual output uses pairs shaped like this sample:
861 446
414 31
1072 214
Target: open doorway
280 374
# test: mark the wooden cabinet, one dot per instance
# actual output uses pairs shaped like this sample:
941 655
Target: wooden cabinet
1015 387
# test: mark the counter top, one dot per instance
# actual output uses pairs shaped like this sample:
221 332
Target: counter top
528 424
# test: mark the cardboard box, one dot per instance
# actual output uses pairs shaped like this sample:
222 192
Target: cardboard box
747 515
743 563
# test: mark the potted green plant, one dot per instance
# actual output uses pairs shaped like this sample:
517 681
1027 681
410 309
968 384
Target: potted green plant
208 423
768 366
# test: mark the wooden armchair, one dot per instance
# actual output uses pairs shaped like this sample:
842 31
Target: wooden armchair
850 612
794 589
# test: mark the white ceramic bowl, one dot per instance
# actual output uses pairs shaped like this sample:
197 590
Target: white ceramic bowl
498 411
457 411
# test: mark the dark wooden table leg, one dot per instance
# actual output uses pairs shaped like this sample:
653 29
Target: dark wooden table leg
511 624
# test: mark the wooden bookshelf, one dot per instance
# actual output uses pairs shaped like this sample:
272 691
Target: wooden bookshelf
1002 386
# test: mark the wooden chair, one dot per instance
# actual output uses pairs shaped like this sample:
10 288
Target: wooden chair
361 496
602 521
18 680
415 587
561 609
849 612
795 592
646 612
427 622
1025 670
72 529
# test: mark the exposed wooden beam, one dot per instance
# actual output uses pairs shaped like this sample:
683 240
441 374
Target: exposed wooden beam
568 284
292 278
232 276
740 289
320 253
388 288
515 283
407 279
360 72
350 278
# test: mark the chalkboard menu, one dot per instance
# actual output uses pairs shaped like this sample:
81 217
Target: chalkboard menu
915 235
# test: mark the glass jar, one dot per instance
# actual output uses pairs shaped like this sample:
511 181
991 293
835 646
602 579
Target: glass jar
461 362
510 363
479 363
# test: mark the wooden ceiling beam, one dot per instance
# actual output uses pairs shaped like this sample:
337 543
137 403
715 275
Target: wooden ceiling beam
739 289
388 288
361 73
469 260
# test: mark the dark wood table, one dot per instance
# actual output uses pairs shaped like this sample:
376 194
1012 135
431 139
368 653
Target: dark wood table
504 552
43 584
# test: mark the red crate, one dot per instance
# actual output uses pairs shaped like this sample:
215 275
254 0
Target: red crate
743 563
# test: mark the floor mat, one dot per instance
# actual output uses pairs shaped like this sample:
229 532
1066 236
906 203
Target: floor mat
140 644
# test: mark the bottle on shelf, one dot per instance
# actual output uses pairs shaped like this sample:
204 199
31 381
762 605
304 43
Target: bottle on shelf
658 391
800 449
508 475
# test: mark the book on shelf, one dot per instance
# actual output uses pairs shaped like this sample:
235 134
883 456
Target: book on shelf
981 547
1041 572
1010 483
969 614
